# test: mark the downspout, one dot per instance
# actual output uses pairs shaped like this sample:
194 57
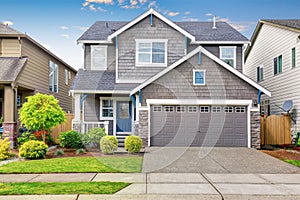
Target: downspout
259 97
140 96
133 100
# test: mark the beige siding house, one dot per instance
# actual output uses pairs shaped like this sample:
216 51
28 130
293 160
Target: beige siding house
26 67
273 60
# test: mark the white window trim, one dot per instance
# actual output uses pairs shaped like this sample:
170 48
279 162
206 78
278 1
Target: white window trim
53 81
180 109
204 111
66 77
204 74
137 64
106 118
105 64
234 55
261 79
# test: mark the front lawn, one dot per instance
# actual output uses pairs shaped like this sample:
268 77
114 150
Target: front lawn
293 162
76 164
39 188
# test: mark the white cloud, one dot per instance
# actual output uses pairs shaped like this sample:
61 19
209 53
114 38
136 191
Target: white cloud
120 2
65 36
133 2
81 28
187 12
101 9
190 19
64 27
8 23
88 2
209 14
92 8
173 14
242 26
152 4
143 1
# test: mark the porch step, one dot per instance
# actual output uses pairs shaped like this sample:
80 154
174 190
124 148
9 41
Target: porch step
121 139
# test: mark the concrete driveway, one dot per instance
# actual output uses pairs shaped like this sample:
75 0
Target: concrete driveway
213 160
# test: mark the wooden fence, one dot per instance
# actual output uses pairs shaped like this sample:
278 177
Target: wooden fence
62 127
275 130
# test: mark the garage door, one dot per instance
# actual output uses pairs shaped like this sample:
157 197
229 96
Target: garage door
176 125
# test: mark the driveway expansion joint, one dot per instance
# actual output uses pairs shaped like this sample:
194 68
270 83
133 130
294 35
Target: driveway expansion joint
212 185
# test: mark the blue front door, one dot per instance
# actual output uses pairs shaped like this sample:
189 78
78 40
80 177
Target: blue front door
124 120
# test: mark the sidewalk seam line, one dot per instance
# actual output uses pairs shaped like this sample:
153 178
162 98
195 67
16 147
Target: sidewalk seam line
207 179
93 177
33 178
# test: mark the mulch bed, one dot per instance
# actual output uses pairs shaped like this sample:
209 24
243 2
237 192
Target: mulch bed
284 154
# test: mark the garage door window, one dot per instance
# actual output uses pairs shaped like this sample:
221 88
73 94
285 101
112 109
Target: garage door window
192 109
239 109
216 109
204 109
180 109
228 109
157 108
169 108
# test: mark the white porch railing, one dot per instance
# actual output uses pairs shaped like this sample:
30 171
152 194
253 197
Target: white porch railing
84 127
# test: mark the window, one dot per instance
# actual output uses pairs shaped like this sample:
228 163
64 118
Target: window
180 109
204 109
169 108
107 108
228 55
192 109
228 109
157 108
98 57
216 109
239 109
260 73
278 65
66 77
53 77
151 52
199 77
70 75
293 57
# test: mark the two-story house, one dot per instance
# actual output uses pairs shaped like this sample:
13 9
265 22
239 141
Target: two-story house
171 83
26 67
273 60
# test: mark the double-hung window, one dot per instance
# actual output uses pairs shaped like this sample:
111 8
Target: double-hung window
228 55
278 65
260 73
151 52
98 57
106 108
199 77
53 77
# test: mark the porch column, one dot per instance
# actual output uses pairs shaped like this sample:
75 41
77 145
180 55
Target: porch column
76 122
9 123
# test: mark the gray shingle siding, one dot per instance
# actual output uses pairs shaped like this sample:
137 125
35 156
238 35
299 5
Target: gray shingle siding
143 30
220 83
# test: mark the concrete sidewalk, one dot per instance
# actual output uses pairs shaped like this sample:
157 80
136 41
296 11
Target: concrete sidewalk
173 185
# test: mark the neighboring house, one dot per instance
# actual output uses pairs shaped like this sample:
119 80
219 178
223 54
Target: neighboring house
273 60
171 83
26 67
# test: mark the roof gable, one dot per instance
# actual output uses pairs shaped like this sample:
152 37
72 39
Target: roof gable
10 68
158 15
211 56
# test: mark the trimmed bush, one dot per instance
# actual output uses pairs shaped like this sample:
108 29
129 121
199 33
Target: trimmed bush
59 152
133 144
4 149
25 137
70 139
93 137
33 150
108 144
80 151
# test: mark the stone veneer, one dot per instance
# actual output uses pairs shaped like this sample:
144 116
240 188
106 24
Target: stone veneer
143 127
255 129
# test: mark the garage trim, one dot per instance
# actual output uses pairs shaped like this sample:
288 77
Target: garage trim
199 102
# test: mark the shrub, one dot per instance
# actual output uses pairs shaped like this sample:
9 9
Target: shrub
80 151
59 152
70 139
133 144
33 150
108 144
25 137
93 137
4 149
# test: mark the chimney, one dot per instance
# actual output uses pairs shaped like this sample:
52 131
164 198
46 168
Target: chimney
214 21
106 25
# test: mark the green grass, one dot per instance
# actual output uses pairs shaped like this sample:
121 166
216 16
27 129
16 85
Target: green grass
38 188
75 164
293 162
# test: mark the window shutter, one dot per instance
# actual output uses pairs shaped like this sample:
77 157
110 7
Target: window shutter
275 66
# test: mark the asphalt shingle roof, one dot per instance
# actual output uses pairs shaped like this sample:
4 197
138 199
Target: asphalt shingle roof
291 23
10 68
99 80
203 31
6 30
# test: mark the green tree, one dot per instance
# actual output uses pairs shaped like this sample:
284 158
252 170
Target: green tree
41 112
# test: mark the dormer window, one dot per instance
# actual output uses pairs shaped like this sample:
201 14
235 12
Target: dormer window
98 57
151 52
228 55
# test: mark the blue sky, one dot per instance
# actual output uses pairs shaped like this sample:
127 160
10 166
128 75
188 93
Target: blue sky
57 24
